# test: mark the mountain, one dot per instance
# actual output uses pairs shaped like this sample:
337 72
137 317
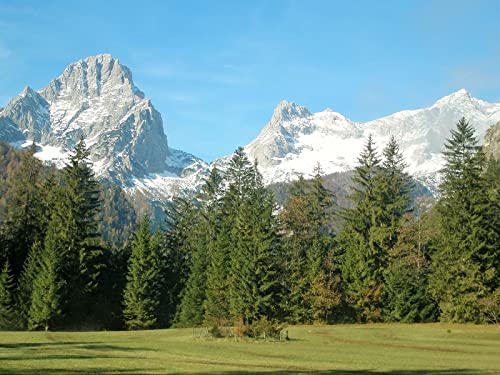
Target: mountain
295 140
492 142
96 98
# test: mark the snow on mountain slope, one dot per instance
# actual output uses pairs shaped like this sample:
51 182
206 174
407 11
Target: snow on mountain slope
97 99
295 140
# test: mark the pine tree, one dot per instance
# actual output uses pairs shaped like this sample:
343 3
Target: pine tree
397 187
203 236
234 190
253 288
297 238
23 216
48 286
142 292
25 283
464 265
364 259
407 276
176 257
78 202
7 312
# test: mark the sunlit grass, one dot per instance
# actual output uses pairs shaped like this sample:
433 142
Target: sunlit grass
340 349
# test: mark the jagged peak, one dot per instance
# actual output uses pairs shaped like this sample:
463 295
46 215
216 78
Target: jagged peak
27 90
460 96
285 111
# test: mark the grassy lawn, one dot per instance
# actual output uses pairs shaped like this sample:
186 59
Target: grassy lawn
341 349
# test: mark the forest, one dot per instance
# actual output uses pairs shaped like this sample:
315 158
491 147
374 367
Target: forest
74 255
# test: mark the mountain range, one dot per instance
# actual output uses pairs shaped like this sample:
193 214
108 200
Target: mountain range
96 98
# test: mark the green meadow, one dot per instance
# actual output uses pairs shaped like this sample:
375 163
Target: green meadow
337 349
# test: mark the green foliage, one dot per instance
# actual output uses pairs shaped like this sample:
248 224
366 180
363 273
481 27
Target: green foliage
309 271
142 292
7 308
48 284
22 219
464 267
407 277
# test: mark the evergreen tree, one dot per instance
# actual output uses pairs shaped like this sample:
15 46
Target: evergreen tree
23 216
297 239
7 311
142 292
464 266
397 186
406 278
203 236
216 305
48 290
78 202
364 259
253 287
25 283
234 190
176 257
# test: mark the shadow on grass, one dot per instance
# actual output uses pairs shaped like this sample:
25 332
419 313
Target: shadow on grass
73 344
133 371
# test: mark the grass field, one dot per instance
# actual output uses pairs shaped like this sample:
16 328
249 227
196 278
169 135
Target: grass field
342 349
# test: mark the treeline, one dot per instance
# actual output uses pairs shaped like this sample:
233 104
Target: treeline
230 257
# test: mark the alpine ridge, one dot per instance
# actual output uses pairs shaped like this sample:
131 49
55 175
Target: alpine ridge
96 98
296 140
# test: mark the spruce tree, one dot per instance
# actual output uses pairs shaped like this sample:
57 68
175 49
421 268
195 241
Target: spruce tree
235 189
7 308
49 287
253 281
23 216
463 267
407 276
176 256
203 234
25 283
364 259
142 292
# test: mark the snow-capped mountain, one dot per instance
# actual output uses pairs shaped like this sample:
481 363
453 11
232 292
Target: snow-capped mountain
96 98
295 140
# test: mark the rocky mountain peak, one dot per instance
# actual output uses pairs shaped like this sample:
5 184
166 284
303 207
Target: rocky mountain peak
286 111
96 98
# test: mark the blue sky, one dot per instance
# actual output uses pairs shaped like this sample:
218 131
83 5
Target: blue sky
217 69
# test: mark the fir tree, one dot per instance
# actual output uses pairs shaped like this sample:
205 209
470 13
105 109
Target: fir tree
48 285
7 309
464 265
203 236
176 256
142 292
23 216
407 276
25 283
364 258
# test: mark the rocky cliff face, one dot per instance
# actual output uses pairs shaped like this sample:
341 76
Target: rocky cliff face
96 98
492 142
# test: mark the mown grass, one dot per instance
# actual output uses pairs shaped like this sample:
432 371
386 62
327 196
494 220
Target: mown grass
435 349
